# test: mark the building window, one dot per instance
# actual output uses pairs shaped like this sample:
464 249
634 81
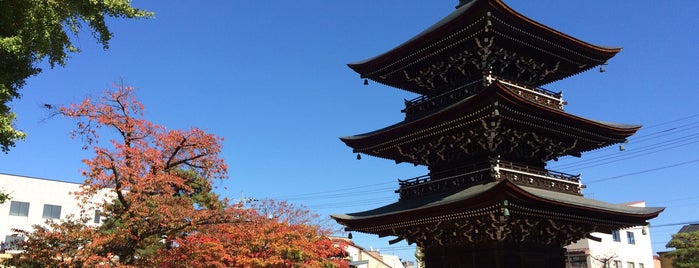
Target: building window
630 238
640 265
617 264
12 242
615 236
52 212
630 265
18 208
97 216
578 261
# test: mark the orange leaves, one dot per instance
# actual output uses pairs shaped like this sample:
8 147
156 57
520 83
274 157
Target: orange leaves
269 235
161 209
160 178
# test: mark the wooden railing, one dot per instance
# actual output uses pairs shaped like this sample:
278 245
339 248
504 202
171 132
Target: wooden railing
425 104
539 95
493 170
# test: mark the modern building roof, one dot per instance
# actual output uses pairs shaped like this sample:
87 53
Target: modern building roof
689 228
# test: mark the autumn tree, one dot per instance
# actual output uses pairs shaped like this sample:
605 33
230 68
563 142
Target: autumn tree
686 253
159 206
160 180
34 30
272 234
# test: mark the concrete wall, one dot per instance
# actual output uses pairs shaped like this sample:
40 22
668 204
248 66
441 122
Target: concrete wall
37 192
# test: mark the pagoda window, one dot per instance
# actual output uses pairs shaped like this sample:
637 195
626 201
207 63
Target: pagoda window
615 236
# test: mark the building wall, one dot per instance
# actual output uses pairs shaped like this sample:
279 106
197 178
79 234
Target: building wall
640 252
361 258
37 193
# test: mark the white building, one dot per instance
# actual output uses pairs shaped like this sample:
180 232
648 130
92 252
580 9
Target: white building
359 257
625 248
33 201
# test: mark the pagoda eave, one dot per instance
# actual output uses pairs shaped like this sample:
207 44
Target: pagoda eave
497 110
482 28
482 207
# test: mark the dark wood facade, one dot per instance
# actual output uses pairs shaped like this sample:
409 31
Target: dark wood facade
485 129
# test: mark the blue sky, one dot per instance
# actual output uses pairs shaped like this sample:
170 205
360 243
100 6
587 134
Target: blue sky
270 78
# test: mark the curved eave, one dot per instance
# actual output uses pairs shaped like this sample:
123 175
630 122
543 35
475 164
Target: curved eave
471 14
579 202
483 194
496 92
616 129
601 50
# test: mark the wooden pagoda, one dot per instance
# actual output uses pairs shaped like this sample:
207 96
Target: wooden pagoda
485 129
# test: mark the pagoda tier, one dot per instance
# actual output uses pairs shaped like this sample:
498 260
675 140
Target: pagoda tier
480 36
502 119
493 222
485 129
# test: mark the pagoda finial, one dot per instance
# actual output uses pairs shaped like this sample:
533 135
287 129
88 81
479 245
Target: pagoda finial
463 2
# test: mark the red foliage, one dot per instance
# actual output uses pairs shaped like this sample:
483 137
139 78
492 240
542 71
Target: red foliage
270 234
161 210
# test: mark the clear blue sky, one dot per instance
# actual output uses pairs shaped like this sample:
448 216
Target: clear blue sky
270 78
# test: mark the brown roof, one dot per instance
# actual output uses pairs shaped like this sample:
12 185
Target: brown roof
468 113
471 23
477 199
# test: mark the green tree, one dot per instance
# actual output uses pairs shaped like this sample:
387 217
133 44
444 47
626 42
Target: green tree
4 196
686 253
34 30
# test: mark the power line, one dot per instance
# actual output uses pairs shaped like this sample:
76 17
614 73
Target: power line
303 195
675 224
672 121
645 152
644 171
650 149
364 191
639 139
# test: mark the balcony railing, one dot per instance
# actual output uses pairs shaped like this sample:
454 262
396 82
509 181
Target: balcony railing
494 170
539 178
539 95
424 104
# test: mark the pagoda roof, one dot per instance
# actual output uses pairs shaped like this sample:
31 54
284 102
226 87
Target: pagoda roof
477 21
472 112
476 198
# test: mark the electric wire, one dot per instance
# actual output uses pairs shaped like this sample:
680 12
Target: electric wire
654 148
643 171
633 153
671 137
640 138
